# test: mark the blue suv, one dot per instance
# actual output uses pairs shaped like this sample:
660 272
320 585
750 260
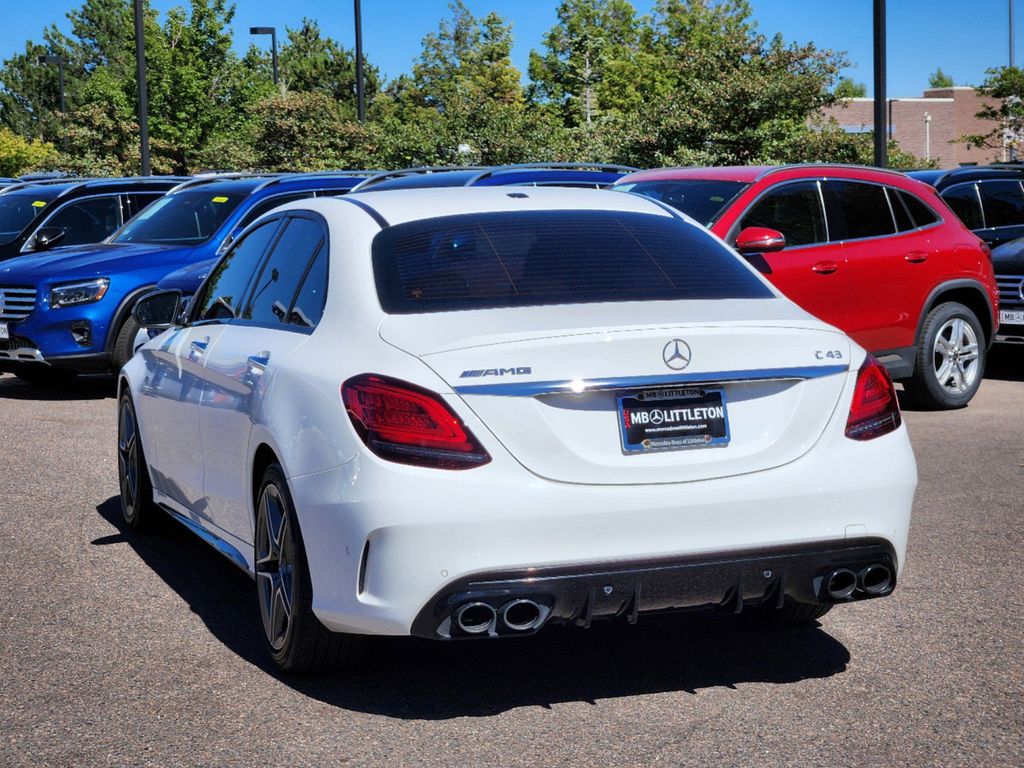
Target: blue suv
69 310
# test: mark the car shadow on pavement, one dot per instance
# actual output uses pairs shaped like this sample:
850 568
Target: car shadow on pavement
418 679
1005 363
81 388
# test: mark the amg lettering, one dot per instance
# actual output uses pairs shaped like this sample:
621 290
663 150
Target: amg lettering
517 371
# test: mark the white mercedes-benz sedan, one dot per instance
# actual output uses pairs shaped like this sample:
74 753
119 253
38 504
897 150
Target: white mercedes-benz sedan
471 413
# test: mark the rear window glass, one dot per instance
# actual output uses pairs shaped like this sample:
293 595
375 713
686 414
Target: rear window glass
512 259
921 213
1004 203
700 199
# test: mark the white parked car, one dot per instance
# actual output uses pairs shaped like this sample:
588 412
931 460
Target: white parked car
474 412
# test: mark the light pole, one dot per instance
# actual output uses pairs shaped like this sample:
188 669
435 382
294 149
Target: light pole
59 61
140 74
1011 32
927 136
272 31
360 89
881 149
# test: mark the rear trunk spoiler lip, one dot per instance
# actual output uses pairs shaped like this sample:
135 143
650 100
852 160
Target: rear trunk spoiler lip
579 386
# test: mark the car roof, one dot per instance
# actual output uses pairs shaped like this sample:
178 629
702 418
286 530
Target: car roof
403 205
248 184
940 179
63 187
748 174
532 174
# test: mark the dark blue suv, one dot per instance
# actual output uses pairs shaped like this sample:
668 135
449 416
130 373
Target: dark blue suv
69 310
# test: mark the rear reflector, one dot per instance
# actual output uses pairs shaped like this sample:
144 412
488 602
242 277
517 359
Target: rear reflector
401 422
875 410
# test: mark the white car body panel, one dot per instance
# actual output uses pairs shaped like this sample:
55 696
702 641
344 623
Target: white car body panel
789 476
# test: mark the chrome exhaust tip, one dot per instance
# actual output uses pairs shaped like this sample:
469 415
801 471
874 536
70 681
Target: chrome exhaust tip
874 579
521 615
475 618
840 584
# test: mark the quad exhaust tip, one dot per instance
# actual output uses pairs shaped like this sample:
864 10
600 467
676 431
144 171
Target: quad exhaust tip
521 615
841 583
874 579
475 618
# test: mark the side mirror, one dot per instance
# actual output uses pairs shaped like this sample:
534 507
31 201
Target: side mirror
760 240
158 310
47 237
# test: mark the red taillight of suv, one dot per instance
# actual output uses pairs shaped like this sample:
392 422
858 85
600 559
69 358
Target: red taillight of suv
401 422
875 410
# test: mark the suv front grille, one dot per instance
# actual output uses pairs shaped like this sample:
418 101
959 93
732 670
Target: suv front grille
16 302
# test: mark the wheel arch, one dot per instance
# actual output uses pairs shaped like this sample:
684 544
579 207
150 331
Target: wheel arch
262 457
124 309
971 294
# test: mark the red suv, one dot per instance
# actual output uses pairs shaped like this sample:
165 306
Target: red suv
870 251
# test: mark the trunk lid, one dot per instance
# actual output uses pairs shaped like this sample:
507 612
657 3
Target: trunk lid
549 392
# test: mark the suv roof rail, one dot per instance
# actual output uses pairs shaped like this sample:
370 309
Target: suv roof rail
316 174
792 166
420 169
18 184
213 177
553 166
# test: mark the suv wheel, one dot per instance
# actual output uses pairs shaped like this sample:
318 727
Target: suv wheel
950 358
296 639
124 344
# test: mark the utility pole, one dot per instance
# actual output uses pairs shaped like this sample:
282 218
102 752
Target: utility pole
59 61
881 150
360 87
272 31
140 61
1011 32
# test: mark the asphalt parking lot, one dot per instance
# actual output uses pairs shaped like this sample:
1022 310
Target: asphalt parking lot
117 649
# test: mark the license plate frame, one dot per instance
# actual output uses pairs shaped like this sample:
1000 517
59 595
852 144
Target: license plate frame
1011 316
5 333
691 430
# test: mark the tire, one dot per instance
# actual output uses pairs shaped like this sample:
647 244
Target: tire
137 505
793 613
950 360
45 376
124 344
296 640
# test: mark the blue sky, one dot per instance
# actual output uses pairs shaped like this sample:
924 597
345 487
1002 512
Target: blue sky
964 37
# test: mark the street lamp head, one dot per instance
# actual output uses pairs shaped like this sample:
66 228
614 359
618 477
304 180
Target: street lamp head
262 30
48 59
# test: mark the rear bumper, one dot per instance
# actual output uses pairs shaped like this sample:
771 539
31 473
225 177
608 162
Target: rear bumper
730 580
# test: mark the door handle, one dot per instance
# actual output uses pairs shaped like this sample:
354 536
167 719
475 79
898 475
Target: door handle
825 267
258 363
916 257
198 348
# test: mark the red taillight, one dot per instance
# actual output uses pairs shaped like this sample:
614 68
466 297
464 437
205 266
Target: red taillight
405 423
875 411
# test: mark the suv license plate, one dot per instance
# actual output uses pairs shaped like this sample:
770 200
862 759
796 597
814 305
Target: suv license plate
1011 316
4 333
673 419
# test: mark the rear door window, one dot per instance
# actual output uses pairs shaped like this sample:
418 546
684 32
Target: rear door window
919 211
964 200
1003 202
533 258
863 210
792 209
903 221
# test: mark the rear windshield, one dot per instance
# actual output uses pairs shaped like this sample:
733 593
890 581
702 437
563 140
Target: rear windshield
18 209
184 218
514 259
701 199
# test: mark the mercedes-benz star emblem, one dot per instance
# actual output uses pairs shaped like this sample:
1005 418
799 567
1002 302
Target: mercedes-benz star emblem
676 354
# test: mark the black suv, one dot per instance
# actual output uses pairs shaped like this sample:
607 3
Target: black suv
1008 263
37 215
989 199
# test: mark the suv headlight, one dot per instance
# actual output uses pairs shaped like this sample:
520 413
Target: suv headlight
85 292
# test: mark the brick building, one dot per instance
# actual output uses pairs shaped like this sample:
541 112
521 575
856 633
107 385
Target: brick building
952 112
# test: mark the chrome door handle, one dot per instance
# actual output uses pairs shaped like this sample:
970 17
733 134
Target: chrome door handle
198 348
258 363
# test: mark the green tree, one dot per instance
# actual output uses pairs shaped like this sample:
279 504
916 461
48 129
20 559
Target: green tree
939 79
311 62
18 155
306 132
1006 86
848 88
